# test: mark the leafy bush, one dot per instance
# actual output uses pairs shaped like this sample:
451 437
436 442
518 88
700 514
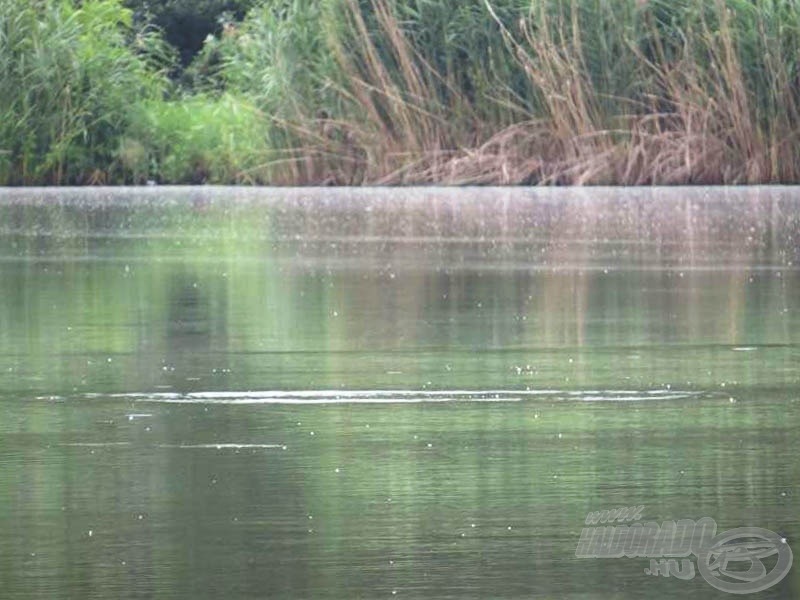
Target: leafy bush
197 139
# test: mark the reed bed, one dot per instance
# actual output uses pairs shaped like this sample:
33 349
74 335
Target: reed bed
69 75
624 92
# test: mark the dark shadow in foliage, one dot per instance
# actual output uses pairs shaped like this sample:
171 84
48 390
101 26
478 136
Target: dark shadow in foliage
187 23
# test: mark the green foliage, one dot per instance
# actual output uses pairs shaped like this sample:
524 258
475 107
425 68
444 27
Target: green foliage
69 74
198 139
187 23
345 91
280 57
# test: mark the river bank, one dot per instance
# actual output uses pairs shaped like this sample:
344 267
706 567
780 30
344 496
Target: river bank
399 93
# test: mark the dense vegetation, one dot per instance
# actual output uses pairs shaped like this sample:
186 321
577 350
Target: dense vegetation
186 24
399 91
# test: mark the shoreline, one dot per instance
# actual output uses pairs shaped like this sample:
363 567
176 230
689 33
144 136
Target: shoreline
343 93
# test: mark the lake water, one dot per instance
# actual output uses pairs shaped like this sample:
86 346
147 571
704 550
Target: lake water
219 393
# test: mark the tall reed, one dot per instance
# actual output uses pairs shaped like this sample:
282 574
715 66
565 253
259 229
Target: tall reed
69 74
408 91
520 91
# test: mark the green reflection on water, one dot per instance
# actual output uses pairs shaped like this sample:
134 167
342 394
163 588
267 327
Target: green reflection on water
460 499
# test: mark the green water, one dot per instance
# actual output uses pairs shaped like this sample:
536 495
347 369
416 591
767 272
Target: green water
409 394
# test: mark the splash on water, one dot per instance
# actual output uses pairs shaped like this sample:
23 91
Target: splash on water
404 396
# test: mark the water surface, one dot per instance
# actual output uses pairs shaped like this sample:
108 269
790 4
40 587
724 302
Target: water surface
211 393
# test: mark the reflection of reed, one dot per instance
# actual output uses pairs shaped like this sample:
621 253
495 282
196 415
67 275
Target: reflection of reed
417 269
566 287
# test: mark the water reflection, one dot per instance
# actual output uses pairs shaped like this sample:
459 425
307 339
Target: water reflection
211 393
